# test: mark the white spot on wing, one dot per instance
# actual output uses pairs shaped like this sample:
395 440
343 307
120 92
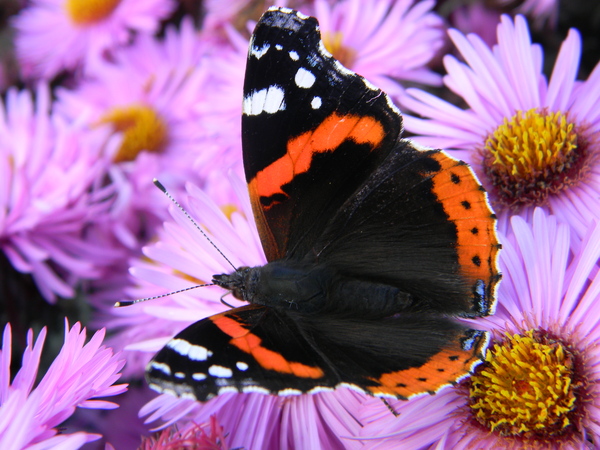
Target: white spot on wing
294 55
179 375
199 353
268 100
279 47
289 391
241 365
318 389
304 78
257 389
199 376
259 52
188 395
227 389
161 367
194 352
316 103
353 387
170 392
220 372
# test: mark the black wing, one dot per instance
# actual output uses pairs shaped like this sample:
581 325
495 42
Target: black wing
260 349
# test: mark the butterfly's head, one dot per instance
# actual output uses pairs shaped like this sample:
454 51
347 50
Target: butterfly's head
236 282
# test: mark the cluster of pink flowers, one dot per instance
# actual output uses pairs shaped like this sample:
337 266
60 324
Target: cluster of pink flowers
118 92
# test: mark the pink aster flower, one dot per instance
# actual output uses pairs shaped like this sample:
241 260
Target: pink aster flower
383 40
220 109
219 15
48 197
147 93
540 385
121 426
57 35
78 377
531 141
477 18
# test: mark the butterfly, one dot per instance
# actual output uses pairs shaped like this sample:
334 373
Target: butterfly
375 246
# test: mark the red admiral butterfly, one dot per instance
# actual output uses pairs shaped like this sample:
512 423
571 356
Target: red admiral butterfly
373 244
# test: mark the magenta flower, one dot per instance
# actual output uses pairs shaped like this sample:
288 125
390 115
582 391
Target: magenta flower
477 18
531 142
147 92
48 176
78 377
540 385
383 40
57 35
221 15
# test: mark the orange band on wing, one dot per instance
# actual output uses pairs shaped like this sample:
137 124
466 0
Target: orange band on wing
329 135
465 202
449 364
268 359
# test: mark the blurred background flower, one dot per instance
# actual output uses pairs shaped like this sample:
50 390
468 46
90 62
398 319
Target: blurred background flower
101 96
54 36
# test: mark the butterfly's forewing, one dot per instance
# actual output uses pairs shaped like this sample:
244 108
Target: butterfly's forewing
312 131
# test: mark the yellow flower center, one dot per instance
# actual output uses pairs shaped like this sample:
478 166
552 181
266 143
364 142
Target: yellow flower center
83 12
526 388
333 44
229 209
142 130
532 155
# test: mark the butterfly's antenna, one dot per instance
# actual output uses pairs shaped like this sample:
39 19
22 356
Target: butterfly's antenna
140 300
159 185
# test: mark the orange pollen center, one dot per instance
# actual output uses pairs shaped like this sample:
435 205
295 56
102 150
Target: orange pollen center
532 155
142 129
334 45
525 388
83 12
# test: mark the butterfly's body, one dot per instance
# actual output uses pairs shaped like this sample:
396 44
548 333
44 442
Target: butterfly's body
313 288
374 245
